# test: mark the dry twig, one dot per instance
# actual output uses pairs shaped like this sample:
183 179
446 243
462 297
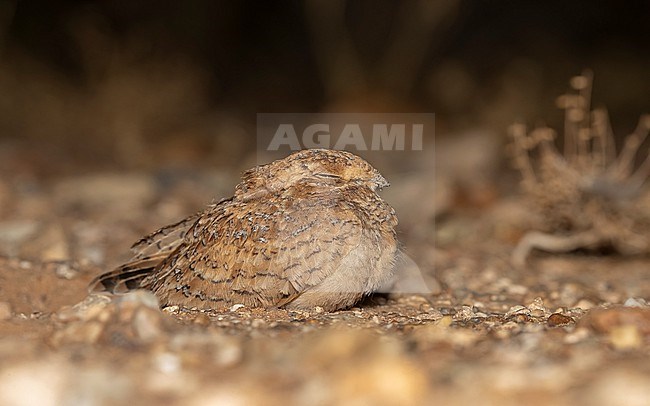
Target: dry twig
588 196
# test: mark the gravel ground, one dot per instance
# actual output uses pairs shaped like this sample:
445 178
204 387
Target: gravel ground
566 329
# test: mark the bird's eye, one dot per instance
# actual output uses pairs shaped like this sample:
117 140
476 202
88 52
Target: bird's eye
327 176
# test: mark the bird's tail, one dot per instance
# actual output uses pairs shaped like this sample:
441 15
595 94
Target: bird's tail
126 277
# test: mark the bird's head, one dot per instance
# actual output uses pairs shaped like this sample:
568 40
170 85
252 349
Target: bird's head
315 166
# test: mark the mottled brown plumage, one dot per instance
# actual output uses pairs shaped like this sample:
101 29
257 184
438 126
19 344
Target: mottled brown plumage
308 230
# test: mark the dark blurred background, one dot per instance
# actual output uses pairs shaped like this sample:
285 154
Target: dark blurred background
139 84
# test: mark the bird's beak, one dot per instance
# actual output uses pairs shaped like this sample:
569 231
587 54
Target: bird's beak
380 182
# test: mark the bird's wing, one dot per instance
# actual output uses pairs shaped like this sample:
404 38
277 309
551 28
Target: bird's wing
148 253
126 277
259 253
164 240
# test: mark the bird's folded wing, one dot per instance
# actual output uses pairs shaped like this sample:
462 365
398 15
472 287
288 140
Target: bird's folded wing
164 240
261 254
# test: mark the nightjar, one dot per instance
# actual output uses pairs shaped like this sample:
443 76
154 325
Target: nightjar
304 231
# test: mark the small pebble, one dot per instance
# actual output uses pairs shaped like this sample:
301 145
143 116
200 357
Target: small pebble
517 310
138 297
236 307
585 304
465 313
87 309
635 302
557 319
537 308
63 270
171 309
